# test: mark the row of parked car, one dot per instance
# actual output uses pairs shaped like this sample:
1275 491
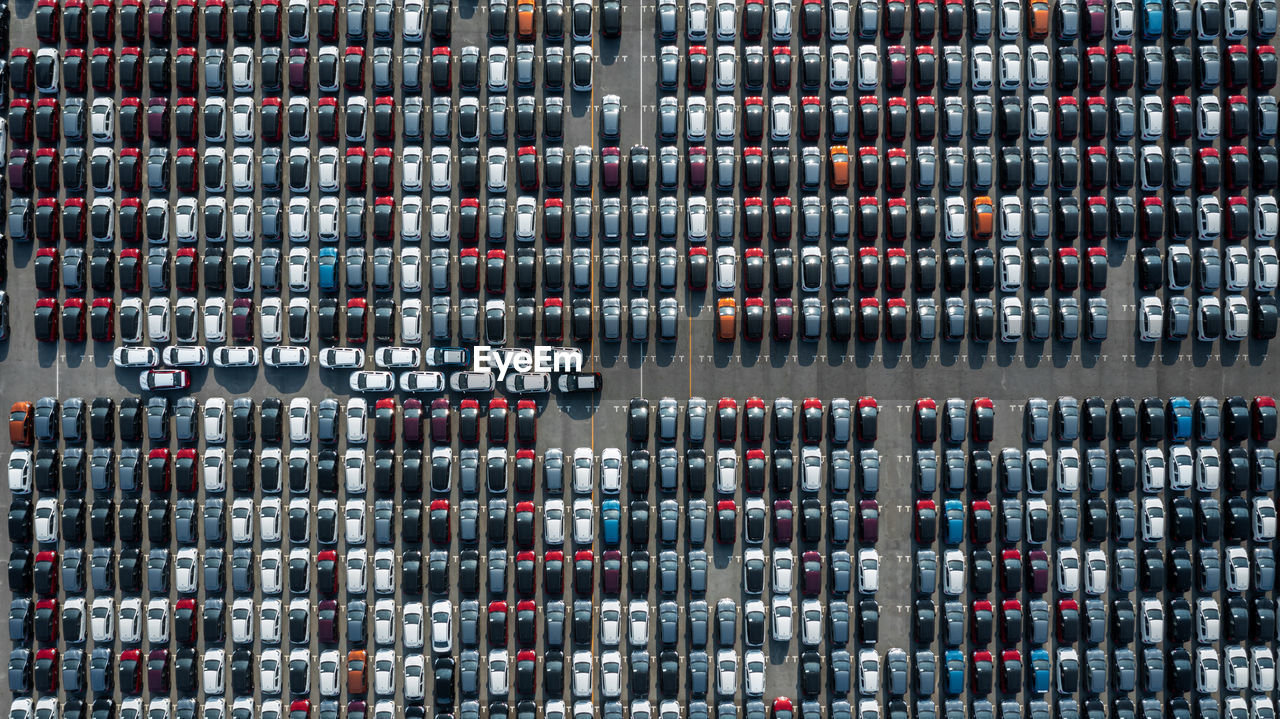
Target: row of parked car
248 22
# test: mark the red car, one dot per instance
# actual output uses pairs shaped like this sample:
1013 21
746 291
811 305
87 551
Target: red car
73 319
783 518
441 524
926 420
926 521
726 521
413 420
811 568
46 319
497 420
130 671
869 521
584 572
1263 412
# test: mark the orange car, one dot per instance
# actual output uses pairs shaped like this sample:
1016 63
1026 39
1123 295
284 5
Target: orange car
983 216
22 423
357 683
726 319
524 19
1038 19
839 166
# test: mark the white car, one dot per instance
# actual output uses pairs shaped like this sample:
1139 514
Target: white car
868 571
270 519
868 672
1262 669
610 470
869 62
357 572
1153 519
638 623
242 622
421 382
330 674
783 618
131 620
186 570
811 625
1150 319
300 420
414 20
271 571
583 664
1235 665
611 674
1068 570
384 673
553 522
384 571
441 626
1236 316
1181 467
726 471
1010 67
1264 519
811 475
1208 670
1151 621
780 113
753 672
20 463
397 357
783 570
610 622
955 219
1266 269
135 357
981 65
158 620
215 319
727 672
953 576
271 621
245 356
412 622
583 461
1095 572
45 524
158 319
583 521
341 358
213 672
415 677
1266 218
1038 64
1011 220
372 381
102 620
1208 621
1153 470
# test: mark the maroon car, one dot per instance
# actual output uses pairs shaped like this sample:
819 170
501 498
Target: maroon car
158 671
441 421
158 119
869 520
611 167
299 69
697 170
1037 571
158 20
242 319
783 317
412 418
783 516
19 171
327 621
611 571
811 569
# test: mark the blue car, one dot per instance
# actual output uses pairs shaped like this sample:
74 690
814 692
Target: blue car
1152 19
1039 671
955 672
1180 419
328 263
954 525
611 521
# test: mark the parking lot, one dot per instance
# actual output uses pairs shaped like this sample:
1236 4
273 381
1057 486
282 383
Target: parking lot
664 667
